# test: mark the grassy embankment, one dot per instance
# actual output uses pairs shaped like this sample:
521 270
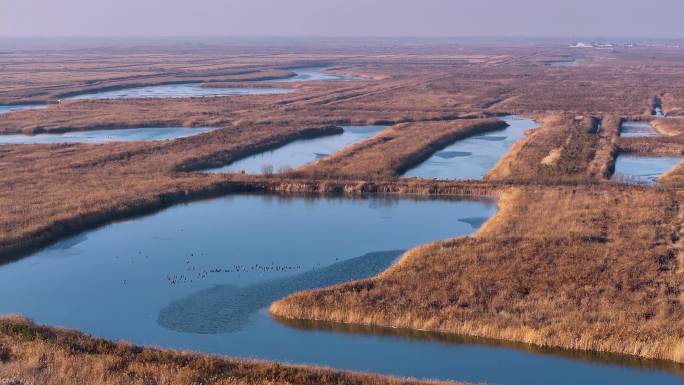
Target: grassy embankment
563 148
37 355
591 268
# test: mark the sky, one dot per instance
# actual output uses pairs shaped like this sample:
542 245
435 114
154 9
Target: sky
342 18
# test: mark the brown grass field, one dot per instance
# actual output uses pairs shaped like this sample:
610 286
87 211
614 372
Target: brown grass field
570 261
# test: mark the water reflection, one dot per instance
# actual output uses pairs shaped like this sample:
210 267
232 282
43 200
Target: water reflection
103 136
637 129
252 248
636 169
180 90
456 339
300 152
5 108
304 74
472 157
227 308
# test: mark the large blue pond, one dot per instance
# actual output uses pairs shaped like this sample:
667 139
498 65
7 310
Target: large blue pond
200 276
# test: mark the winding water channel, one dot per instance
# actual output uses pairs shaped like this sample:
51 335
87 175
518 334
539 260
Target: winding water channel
179 90
198 89
199 276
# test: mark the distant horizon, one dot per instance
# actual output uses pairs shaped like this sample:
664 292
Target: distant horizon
342 38
535 19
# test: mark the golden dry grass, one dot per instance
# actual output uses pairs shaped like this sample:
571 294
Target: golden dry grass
562 148
577 268
38 355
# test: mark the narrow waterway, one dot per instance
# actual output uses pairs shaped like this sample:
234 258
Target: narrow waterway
180 90
104 136
637 129
472 157
198 89
5 108
300 152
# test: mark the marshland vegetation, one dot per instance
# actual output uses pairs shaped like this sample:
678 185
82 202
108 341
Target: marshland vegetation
32 354
571 260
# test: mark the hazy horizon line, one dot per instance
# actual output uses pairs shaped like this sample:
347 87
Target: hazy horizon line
342 37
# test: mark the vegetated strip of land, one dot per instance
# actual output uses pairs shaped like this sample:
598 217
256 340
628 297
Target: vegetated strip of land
564 147
393 151
592 268
33 354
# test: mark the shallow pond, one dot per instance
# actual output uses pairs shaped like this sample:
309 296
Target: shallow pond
199 276
4 108
637 129
642 169
300 152
472 157
103 136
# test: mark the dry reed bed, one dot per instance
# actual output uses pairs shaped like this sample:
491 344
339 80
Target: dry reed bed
603 164
669 126
659 145
394 150
578 268
37 355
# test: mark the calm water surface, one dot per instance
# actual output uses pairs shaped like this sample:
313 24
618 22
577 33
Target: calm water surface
181 90
188 90
560 63
636 129
300 152
19 107
642 169
199 276
472 157
312 74
103 136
